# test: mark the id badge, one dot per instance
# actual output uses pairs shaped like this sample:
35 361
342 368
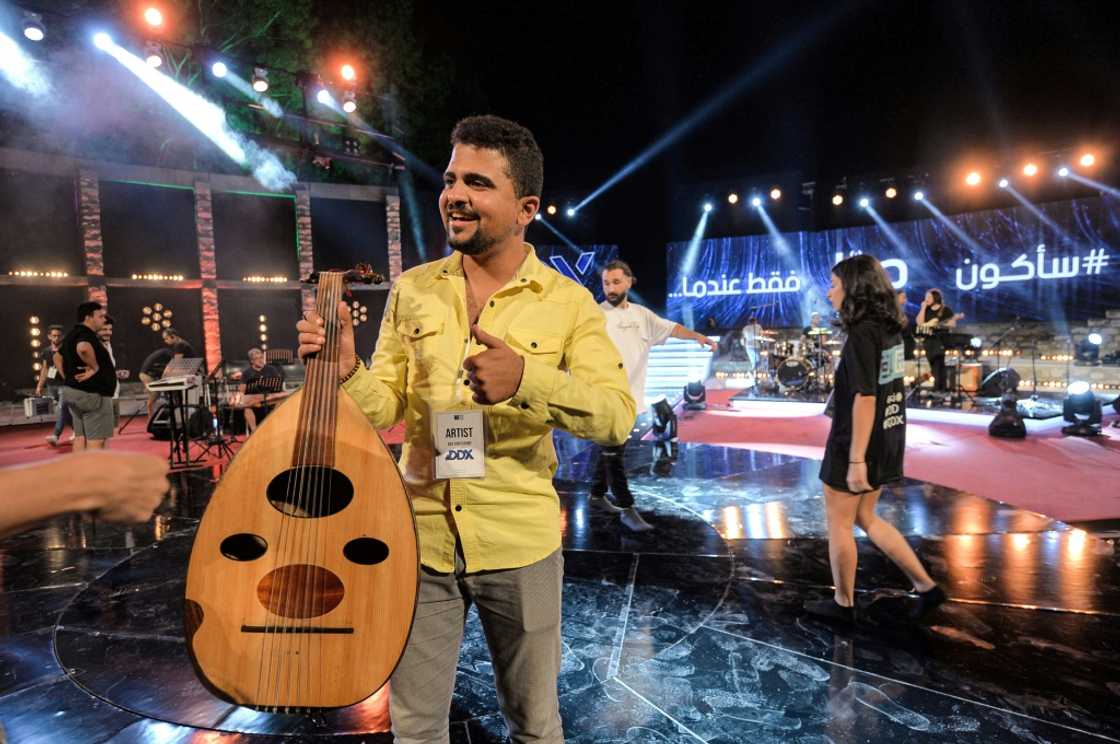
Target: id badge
460 445
52 373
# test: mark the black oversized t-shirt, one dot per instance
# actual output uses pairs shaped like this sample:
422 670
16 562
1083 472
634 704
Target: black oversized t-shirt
872 363
104 381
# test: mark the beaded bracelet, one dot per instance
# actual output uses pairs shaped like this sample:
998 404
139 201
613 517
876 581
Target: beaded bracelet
352 372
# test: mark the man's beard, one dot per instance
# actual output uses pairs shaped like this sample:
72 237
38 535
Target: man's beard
616 299
475 245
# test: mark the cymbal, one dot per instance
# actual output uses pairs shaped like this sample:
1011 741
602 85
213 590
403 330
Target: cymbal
820 332
833 343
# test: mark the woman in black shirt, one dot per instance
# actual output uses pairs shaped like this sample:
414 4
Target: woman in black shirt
936 316
868 435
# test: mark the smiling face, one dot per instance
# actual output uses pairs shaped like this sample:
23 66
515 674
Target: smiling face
256 359
54 336
836 293
616 285
479 203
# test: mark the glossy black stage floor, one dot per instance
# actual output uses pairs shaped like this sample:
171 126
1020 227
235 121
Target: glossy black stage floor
694 632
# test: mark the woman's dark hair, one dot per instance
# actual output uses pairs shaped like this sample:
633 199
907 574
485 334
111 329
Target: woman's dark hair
868 294
513 141
937 298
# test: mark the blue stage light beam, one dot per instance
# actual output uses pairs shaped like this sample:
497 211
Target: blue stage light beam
1038 213
242 85
756 72
693 251
961 235
432 176
21 70
778 239
206 117
1085 181
894 238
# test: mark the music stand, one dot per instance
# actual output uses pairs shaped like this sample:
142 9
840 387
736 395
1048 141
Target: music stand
179 449
919 346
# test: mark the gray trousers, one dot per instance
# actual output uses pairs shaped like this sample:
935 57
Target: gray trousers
520 613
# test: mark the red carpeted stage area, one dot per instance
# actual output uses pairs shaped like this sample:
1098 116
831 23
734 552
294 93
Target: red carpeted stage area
1060 476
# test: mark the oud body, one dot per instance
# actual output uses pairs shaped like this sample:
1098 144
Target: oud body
302 581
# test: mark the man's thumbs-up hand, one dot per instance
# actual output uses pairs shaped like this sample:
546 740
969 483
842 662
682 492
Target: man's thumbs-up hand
494 375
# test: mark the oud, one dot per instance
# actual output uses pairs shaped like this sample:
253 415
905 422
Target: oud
302 581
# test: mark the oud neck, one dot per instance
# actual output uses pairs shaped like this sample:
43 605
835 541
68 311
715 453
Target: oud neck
315 441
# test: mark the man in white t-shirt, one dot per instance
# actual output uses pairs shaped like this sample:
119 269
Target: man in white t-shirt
634 329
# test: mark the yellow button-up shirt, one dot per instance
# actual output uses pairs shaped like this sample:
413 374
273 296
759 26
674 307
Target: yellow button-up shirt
573 380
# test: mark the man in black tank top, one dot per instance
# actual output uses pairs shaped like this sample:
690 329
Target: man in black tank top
90 378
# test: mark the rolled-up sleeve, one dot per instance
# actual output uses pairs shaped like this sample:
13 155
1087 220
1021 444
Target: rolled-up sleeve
380 389
590 397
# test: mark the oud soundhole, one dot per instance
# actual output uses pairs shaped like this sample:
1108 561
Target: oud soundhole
366 551
300 591
311 491
243 546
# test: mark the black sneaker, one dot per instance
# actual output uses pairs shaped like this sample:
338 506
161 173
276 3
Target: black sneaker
828 610
927 602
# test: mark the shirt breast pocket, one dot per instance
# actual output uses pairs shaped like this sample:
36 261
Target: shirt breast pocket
421 334
536 344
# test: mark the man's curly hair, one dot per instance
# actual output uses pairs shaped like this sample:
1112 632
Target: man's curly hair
515 142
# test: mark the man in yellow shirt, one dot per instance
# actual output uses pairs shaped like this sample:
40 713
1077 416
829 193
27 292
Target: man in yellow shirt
482 354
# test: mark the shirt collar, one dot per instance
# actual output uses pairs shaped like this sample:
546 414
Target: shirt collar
531 272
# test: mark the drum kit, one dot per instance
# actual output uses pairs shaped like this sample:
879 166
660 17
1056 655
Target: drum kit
801 366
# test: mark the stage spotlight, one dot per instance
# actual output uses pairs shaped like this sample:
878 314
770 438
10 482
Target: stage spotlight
348 73
323 96
219 69
1082 410
153 53
976 342
756 201
1089 350
695 396
102 40
664 422
973 178
775 193
837 200
891 192
732 198
708 206
1063 171
570 212
538 217
260 79
919 195
1087 160
350 102
153 16
1004 183
33 27
551 209
1030 169
864 202
1008 424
